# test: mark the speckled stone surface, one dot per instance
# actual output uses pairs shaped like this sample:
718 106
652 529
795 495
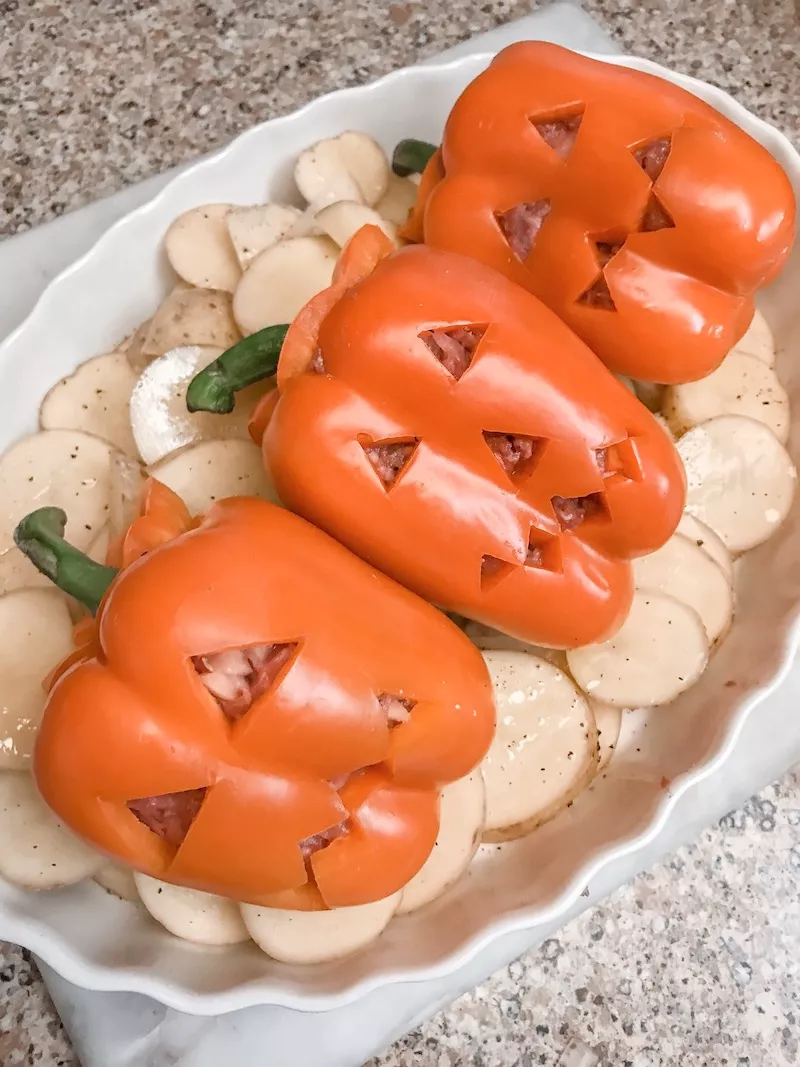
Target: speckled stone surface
696 962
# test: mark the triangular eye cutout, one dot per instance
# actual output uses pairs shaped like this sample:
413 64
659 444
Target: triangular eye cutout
517 453
544 552
656 216
494 570
237 677
606 250
559 133
652 156
599 296
169 815
390 458
520 225
619 460
398 709
454 346
572 512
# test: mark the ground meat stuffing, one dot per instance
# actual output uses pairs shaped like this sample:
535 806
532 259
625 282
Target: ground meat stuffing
606 250
601 455
239 676
397 709
492 568
512 450
454 348
390 459
315 843
169 815
560 134
598 296
521 225
572 511
656 217
535 557
653 156
317 364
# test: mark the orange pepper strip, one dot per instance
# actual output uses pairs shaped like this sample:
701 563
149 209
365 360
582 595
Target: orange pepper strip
262 413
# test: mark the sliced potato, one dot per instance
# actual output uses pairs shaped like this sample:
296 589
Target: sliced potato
252 229
94 399
741 385
485 637
192 317
344 218
134 350
119 881
124 495
461 816
38 851
710 542
682 569
317 936
545 747
281 280
758 341
352 166
661 650
396 203
161 422
37 635
200 249
63 468
740 479
200 917
214 470
608 720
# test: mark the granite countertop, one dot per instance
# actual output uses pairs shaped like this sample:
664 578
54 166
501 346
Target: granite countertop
694 963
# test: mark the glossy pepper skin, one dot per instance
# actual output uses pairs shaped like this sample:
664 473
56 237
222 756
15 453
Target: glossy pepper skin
357 374
131 719
661 217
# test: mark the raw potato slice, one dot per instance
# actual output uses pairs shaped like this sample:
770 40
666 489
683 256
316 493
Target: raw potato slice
758 341
252 229
38 851
94 399
134 350
214 470
485 637
461 815
200 249
660 650
119 881
705 538
545 747
740 479
192 317
352 166
344 218
317 936
396 203
125 493
280 281
158 413
608 719
686 572
200 917
741 385
37 635
62 468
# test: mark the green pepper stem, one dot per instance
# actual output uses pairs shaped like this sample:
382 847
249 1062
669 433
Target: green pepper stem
248 361
40 537
411 157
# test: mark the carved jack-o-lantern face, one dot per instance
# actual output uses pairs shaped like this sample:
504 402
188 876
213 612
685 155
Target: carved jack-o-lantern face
640 215
264 712
452 431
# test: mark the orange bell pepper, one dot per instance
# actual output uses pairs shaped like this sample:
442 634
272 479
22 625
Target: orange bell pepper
643 217
262 715
448 428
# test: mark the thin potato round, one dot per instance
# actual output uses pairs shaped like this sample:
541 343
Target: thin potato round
191 317
252 229
134 349
544 750
740 479
685 571
203 918
37 635
608 720
396 203
317 936
352 166
94 399
61 468
741 385
214 470
710 542
281 280
660 651
758 341
118 881
38 851
344 218
486 637
461 816
200 249
161 422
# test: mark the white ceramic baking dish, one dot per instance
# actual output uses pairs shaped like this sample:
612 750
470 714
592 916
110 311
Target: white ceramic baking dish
98 942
